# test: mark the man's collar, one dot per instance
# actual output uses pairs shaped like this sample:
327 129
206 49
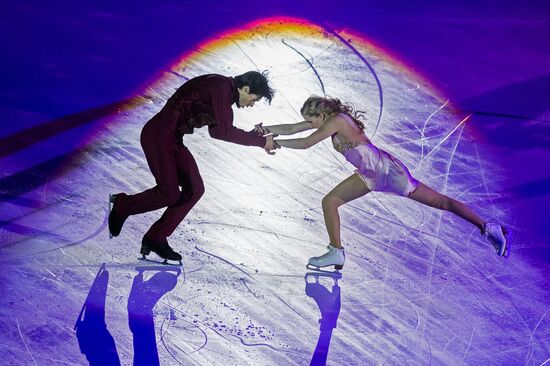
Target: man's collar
235 91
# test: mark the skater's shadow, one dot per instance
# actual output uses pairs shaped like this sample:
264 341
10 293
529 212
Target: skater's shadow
95 341
329 305
143 297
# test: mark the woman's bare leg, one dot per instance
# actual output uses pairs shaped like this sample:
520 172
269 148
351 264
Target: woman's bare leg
428 196
351 188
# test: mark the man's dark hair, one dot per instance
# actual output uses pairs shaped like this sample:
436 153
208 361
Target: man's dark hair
257 82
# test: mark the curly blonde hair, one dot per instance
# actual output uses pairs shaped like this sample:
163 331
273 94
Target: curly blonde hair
315 105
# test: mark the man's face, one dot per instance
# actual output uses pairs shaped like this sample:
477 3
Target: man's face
246 99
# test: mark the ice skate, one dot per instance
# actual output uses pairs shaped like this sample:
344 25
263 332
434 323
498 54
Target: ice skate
162 249
334 257
115 219
498 236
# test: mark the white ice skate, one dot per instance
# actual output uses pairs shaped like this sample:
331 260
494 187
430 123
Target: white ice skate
497 235
334 257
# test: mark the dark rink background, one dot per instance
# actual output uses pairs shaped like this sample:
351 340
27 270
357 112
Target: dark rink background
458 92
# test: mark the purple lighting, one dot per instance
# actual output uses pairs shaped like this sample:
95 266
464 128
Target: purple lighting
456 92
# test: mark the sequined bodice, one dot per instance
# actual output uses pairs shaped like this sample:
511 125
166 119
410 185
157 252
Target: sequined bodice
342 147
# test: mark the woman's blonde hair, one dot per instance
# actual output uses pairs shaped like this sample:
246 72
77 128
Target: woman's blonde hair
315 105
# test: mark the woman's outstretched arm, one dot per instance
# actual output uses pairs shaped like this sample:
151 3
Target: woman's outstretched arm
327 130
283 129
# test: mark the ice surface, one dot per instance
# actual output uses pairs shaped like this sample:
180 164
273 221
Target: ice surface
419 286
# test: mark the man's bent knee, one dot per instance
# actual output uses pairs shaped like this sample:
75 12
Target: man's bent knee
171 197
194 194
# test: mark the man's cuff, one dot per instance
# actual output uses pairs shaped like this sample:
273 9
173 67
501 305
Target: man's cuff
263 141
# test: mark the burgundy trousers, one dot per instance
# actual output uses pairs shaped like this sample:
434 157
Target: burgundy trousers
173 167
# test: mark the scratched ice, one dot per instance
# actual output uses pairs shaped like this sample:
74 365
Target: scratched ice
419 287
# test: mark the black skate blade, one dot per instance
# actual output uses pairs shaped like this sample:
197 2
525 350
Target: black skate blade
319 269
166 262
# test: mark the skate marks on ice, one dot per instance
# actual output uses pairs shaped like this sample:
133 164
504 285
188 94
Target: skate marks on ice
373 72
40 198
450 246
310 65
409 293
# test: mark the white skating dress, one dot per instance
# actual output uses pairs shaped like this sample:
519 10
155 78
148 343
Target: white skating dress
379 170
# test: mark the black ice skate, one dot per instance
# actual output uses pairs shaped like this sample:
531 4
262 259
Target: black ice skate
162 249
115 219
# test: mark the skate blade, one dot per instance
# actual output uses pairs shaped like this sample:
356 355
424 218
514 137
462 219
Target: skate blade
337 268
166 262
316 274
109 208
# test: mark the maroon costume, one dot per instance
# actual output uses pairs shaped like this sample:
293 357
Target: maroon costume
204 100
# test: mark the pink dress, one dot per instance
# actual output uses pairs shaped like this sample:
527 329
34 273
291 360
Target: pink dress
379 170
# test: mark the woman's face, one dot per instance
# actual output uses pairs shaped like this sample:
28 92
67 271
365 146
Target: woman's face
316 121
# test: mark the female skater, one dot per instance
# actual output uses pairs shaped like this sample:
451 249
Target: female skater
376 170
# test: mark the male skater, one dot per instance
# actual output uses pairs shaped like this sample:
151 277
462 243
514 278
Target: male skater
202 101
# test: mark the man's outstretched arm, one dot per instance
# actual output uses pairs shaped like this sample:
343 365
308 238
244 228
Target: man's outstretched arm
224 129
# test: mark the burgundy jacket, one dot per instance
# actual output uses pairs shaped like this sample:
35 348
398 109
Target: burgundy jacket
206 101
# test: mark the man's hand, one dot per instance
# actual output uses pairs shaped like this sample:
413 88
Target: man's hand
270 145
260 130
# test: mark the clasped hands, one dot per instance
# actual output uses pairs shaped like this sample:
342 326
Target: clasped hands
270 144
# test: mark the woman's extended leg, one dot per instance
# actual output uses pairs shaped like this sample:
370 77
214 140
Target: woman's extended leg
351 188
495 233
428 196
